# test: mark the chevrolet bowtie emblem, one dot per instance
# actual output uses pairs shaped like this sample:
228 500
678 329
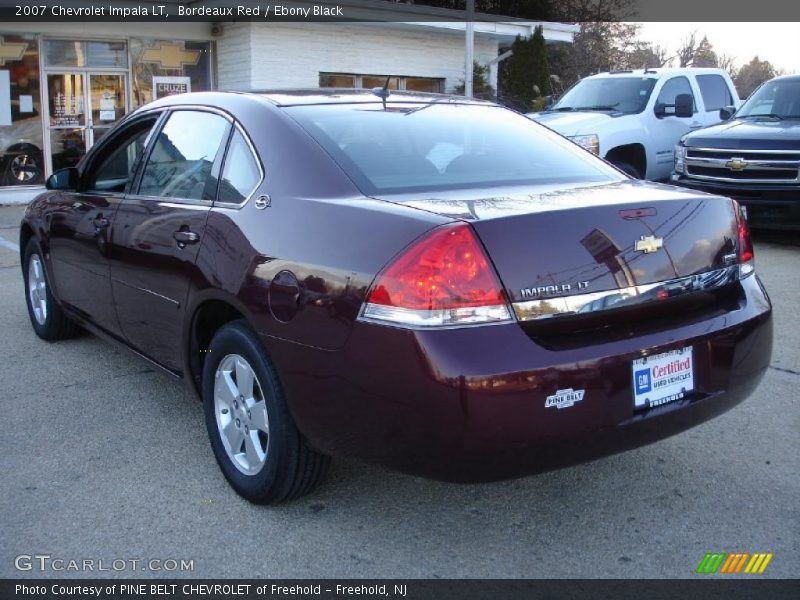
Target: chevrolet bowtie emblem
649 244
736 164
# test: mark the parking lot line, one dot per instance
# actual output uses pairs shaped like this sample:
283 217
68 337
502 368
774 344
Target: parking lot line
10 245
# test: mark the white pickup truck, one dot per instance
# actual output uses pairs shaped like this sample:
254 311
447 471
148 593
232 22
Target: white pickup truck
633 119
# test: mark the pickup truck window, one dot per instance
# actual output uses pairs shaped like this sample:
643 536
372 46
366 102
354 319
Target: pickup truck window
670 91
715 92
779 99
627 95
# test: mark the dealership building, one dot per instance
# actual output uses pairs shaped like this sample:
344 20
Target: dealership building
64 85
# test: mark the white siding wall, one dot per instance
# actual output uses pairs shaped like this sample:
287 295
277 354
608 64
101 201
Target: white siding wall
234 64
293 54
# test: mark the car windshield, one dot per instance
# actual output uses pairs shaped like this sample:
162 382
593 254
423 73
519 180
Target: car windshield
443 145
621 94
778 99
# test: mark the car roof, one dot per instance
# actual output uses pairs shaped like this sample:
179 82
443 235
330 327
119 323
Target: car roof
297 97
784 78
658 72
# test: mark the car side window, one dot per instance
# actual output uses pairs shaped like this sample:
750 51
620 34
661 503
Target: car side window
671 90
179 165
114 166
241 172
715 92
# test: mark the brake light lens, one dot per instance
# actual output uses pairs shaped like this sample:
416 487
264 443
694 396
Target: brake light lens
745 246
444 279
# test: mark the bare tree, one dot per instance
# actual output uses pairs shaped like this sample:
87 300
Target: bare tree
687 50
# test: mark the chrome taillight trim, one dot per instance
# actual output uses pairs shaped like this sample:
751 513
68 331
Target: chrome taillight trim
431 319
596 302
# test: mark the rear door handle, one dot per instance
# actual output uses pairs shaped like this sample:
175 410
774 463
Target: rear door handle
101 222
184 237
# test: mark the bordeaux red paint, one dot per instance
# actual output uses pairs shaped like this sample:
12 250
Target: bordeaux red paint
461 403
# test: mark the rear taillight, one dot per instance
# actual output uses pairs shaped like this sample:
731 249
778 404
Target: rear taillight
745 244
444 279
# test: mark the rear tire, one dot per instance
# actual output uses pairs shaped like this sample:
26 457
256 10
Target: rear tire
48 320
254 437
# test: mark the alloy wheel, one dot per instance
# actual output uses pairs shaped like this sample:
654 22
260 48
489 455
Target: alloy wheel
37 289
241 414
24 168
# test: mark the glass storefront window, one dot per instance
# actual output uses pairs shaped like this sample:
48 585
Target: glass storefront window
21 155
187 64
346 80
98 54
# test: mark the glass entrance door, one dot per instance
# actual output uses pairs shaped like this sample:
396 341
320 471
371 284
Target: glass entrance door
82 107
106 103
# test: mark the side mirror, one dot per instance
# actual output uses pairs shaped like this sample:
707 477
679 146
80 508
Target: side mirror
726 112
684 105
548 102
63 179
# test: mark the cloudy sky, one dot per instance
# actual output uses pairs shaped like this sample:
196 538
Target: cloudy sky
778 43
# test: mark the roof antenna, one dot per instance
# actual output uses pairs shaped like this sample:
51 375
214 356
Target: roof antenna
383 92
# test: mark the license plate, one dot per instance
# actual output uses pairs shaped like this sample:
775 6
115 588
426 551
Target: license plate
662 378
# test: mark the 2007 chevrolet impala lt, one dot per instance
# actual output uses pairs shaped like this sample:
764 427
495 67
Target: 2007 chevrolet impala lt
436 284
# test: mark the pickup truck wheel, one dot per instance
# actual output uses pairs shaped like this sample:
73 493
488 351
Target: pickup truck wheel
627 168
255 440
48 320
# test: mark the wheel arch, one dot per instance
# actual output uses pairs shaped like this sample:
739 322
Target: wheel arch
634 154
205 316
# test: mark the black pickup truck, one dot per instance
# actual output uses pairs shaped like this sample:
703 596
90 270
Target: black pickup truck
752 156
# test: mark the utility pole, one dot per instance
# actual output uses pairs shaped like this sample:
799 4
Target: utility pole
470 47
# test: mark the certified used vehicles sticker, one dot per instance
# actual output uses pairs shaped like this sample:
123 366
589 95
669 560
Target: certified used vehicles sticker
564 398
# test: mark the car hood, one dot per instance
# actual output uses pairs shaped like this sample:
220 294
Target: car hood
748 134
573 123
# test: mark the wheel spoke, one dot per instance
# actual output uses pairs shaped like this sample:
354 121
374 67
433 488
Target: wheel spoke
234 435
244 379
226 389
255 455
258 416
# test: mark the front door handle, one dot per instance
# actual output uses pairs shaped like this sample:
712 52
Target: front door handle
184 237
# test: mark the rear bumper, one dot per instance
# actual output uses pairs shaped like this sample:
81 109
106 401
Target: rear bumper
776 206
469 404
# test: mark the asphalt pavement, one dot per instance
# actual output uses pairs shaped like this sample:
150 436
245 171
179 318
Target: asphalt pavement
103 458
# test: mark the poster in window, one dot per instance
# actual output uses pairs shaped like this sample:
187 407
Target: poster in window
170 86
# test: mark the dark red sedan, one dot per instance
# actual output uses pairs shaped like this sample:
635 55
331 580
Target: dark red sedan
436 284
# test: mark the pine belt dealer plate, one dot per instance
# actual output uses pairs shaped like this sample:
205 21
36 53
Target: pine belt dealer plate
662 378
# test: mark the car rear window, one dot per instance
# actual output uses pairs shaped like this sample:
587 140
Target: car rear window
403 148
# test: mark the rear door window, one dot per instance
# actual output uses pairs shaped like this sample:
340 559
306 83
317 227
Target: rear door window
180 163
715 92
241 173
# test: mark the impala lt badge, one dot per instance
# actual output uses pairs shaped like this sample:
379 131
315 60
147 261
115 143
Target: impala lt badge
552 290
649 244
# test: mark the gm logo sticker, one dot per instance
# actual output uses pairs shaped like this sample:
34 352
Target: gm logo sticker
643 383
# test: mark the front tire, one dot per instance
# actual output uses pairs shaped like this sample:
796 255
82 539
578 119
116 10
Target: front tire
255 440
48 320
627 168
